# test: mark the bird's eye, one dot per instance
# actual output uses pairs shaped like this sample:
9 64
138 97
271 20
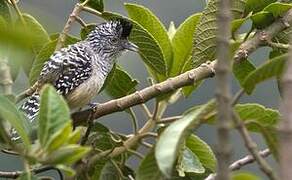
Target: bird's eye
114 40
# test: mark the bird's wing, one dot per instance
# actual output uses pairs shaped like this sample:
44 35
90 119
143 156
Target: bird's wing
67 68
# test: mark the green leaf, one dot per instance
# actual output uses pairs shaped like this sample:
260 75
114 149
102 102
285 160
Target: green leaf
151 23
59 138
95 4
257 5
189 163
75 136
54 115
34 26
182 43
95 172
262 19
10 113
173 136
40 59
237 23
205 41
242 69
244 176
86 30
202 151
149 49
109 172
148 169
66 155
121 84
277 8
4 10
271 68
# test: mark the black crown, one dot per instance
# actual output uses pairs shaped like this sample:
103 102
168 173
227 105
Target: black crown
126 27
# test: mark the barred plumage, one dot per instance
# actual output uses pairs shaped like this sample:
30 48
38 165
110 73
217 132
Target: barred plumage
79 70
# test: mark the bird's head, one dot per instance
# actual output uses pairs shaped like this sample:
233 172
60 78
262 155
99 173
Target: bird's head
112 37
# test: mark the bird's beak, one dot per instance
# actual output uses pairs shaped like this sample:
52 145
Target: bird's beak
131 46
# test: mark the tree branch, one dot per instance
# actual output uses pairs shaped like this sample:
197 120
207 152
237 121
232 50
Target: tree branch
223 148
252 147
262 36
140 97
285 126
243 162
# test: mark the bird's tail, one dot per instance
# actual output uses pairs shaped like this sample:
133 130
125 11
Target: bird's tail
30 108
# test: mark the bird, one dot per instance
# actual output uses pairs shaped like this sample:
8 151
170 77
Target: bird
79 71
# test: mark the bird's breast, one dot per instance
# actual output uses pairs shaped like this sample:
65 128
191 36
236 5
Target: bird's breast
84 93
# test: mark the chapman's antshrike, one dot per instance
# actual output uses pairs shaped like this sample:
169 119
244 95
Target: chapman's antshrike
79 70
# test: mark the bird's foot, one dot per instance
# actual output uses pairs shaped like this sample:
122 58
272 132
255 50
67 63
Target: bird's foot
93 105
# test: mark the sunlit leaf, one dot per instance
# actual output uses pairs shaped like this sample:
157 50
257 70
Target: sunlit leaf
244 176
257 5
182 43
54 115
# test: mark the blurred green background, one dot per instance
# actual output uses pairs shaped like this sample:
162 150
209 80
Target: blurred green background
53 14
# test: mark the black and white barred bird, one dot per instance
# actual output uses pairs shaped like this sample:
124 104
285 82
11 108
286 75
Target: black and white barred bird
79 70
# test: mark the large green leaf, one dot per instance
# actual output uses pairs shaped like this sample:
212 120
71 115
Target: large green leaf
202 151
40 59
148 169
66 155
149 48
151 23
277 8
10 113
189 163
205 41
121 84
95 4
173 136
53 116
182 43
271 68
109 172
34 26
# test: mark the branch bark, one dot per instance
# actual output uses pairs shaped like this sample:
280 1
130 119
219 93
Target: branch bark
285 127
5 77
263 36
139 97
223 149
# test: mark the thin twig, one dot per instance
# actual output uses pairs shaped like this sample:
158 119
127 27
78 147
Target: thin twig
80 21
223 150
285 126
146 144
92 11
136 153
238 164
146 110
236 97
252 147
5 77
134 121
168 120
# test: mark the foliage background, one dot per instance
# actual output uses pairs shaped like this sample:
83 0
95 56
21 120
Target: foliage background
53 15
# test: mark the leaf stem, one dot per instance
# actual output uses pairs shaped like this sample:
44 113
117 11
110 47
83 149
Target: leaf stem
134 121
